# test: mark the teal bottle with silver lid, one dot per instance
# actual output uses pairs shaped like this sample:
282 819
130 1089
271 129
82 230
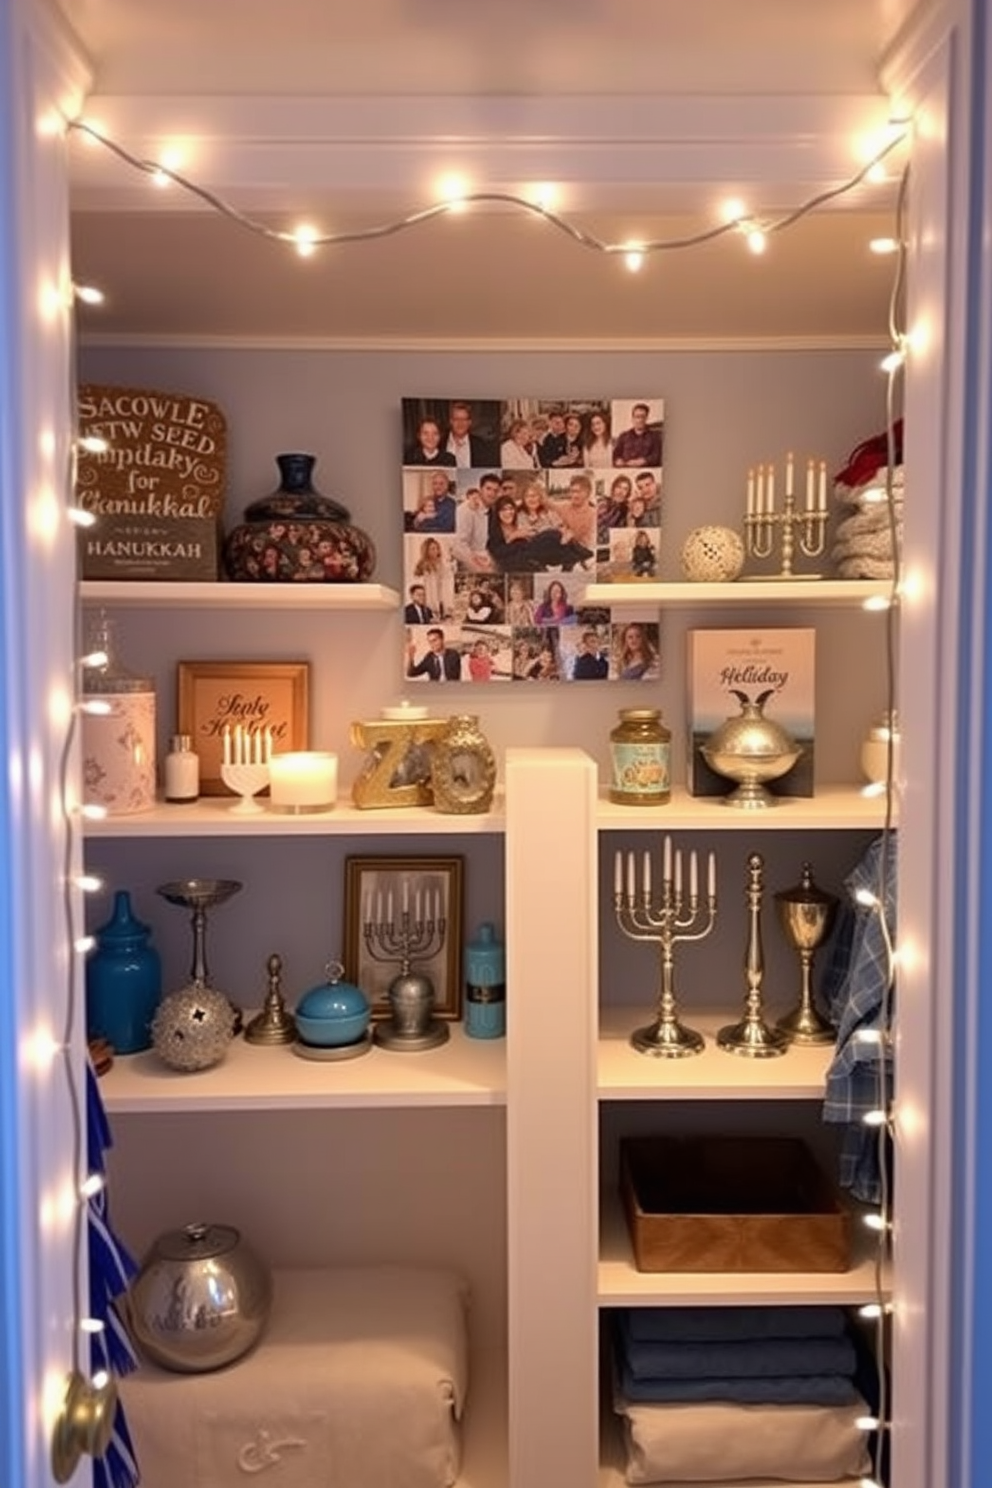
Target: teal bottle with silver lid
485 985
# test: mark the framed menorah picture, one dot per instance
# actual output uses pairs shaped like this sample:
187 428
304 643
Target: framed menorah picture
403 913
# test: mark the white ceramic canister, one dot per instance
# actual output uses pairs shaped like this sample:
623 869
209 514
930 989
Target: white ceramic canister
118 741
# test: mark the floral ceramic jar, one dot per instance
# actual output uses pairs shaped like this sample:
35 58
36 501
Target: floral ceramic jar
298 535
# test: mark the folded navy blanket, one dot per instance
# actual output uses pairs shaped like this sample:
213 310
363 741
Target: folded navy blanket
740 1359
813 1389
711 1324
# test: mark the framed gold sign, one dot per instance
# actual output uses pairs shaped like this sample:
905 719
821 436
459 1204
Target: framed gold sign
266 698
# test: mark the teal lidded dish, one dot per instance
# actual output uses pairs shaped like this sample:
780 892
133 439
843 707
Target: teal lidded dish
333 1013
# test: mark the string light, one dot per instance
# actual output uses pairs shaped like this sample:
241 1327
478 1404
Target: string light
88 294
79 517
455 195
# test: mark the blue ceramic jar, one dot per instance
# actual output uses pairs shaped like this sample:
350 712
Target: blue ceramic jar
123 981
333 1014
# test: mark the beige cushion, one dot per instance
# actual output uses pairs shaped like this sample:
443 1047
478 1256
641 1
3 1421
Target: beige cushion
717 1442
358 1380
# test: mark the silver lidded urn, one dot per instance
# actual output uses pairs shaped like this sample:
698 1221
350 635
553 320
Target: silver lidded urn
201 1299
806 916
752 750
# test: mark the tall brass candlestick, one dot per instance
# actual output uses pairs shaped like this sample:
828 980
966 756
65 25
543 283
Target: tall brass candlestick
752 1036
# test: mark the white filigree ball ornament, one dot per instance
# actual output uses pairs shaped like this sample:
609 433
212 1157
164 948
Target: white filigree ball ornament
712 555
192 1028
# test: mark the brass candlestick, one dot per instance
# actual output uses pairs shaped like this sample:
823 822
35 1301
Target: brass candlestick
805 530
667 919
806 915
273 1025
752 1036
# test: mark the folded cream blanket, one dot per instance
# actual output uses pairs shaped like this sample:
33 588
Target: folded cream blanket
707 1443
358 1380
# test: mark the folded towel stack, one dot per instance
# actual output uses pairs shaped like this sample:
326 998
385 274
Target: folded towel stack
722 1394
867 537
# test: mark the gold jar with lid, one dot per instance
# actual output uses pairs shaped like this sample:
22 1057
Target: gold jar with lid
641 759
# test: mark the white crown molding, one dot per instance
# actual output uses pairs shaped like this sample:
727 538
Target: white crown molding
385 345
269 151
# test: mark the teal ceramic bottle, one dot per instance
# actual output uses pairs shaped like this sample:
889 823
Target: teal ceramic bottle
485 985
123 981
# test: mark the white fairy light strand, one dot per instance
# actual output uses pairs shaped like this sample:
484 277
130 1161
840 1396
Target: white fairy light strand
307 240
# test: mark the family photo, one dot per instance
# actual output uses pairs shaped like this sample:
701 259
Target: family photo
510 509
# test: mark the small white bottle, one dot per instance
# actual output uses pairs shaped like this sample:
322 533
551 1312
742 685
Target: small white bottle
182 770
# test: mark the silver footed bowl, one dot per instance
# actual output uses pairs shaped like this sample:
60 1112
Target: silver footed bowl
199 893
751 750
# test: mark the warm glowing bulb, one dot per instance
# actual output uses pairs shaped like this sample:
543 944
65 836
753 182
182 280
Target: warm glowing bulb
41 1049
874 1118
874 788
883 245
634 258
91 1325
93 444
96 707
305 239
94 659
869 1035
89 294
452 189
100 1380
868 1423
92 812
877 602
79 517
733 210
544 194
894 360
84 943
88 883
876 1222
757 241
161 179
866 899
876 174
92 1185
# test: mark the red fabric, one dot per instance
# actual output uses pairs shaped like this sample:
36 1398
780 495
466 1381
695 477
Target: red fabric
870 457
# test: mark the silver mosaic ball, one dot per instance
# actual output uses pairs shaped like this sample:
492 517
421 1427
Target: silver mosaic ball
712 555
192 1028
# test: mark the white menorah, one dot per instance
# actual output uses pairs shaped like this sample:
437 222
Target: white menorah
245 765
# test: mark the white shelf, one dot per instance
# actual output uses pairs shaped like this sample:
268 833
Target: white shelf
833 808
212 817
620 1284
463 1072
851 592
147 594
626 1075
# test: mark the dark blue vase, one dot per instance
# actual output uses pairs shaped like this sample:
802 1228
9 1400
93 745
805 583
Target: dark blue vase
123 981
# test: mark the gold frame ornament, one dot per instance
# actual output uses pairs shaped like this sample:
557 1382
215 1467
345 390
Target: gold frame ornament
463 771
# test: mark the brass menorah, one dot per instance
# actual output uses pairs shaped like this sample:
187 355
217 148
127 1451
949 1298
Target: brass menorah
670 917
803 529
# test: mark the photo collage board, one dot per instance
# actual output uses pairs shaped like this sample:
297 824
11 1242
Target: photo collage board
510 509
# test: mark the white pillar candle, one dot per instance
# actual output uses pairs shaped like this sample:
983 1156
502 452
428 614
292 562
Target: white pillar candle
389 907
631 887
406 896
646 886
416 906
226 739
617 874
789 490
823 485
711 876
667 872
678 873
759 492
304 780
404 709
770 491
809 485
693 876
750 493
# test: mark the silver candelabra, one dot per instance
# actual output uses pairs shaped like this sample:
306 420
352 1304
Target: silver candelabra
669 917
805 529
417 934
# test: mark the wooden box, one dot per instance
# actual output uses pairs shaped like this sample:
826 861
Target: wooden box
731 1204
